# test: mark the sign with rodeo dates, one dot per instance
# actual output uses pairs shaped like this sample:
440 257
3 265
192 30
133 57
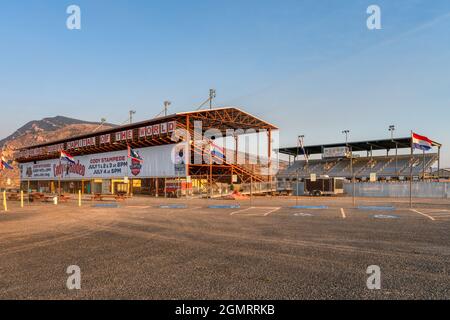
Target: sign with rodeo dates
159 161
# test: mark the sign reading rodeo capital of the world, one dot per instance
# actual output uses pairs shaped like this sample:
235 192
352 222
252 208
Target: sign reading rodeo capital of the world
159 161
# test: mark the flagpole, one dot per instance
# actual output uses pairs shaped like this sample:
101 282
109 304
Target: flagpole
411 172
59 179
423 169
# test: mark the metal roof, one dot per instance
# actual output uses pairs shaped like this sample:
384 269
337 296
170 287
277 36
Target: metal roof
220 115
383 144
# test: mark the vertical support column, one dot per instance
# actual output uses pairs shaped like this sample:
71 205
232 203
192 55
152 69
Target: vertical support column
439 162
269 155
236 148
165 189
210 173
411 173
353 177
28 191
396 159
423 166
189 138
156 187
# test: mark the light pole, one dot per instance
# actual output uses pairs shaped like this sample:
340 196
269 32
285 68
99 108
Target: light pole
346 132
392 129
102 122
131 115
166 106
300 140
212 95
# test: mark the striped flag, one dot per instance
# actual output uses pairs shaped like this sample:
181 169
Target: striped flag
67 157
421 142
4 164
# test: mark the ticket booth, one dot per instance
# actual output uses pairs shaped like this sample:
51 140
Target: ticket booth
120 186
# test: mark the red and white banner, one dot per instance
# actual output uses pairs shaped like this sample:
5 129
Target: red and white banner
159 161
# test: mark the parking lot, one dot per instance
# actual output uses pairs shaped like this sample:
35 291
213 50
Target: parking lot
264 248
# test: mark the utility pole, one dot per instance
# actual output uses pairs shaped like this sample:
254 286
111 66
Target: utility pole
212 95
166 106
131 115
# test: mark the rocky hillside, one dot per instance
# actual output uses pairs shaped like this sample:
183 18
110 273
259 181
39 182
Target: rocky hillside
36 132
45 125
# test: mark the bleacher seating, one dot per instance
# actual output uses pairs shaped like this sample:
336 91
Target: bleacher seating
383 166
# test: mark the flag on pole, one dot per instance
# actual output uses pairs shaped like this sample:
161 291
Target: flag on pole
134 155
67 157
421 142
4 164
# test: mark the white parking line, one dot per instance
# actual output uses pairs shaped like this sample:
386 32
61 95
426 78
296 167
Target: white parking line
343 213
275 209
138 207
424 214
440 214
265 214
242 210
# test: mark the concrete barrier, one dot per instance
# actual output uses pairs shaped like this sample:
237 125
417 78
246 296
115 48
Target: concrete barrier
439 190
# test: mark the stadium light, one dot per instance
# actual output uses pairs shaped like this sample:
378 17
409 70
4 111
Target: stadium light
131 115
102 122
212 95
392 129
346 132
166 106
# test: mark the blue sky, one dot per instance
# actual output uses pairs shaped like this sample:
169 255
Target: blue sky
310 67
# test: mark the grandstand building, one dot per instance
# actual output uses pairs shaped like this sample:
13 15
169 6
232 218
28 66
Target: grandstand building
170 166
357 159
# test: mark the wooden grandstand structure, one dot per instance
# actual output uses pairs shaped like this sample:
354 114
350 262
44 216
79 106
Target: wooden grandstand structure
222 119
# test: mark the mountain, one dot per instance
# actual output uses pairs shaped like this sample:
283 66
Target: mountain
37 132
46 125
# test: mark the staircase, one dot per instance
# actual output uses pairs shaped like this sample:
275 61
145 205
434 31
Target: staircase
245 174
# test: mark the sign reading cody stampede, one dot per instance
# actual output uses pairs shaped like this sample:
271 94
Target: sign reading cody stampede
159 161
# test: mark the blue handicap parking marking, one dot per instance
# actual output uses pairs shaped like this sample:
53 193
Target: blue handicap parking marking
309 207
377 208
225 206
385 216
173 206
106 205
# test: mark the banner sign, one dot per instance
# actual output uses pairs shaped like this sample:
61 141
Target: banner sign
153 131
336 152
159 161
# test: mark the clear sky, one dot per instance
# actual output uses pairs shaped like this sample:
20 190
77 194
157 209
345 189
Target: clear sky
311 67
